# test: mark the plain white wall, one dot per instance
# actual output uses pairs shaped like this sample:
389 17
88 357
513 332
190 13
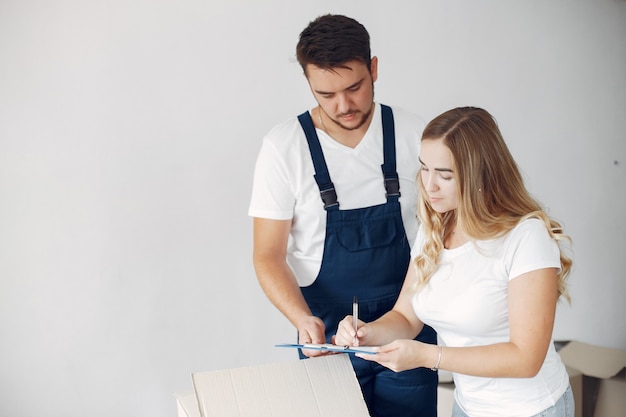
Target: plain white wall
128 135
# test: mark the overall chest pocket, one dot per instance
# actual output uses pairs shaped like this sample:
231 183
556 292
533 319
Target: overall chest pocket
370 234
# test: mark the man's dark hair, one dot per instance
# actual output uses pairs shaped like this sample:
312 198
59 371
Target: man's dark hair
330 41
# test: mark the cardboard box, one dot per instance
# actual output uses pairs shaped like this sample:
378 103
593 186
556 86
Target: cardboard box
187 405
325 386
598 379
445 398
597 376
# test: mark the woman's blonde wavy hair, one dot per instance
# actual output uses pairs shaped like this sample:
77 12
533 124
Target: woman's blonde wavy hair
492 195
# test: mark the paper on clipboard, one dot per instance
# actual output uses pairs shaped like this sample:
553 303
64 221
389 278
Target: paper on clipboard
369 350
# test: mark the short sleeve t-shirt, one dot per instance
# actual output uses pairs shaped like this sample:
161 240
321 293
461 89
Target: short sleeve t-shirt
284 187
465 301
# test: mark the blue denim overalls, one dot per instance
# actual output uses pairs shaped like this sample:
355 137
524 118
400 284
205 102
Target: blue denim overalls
366 254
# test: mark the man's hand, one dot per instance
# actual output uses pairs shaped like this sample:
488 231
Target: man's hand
311 330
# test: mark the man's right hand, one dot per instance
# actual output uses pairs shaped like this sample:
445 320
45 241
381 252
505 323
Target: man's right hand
312 330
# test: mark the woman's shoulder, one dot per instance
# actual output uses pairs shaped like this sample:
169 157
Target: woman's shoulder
530 225
532 231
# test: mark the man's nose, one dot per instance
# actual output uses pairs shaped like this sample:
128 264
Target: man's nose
343 103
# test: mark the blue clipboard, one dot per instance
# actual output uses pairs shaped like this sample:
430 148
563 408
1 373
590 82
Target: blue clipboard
368 350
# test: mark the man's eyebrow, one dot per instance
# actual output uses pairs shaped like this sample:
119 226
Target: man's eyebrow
356 84
436 169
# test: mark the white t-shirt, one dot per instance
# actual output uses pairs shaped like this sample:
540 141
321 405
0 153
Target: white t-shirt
465 301
284 187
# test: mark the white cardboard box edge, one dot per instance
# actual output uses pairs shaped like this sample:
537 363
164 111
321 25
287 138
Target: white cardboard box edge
322 386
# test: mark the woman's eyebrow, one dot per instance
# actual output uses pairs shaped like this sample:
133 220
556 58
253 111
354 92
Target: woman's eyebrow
436 169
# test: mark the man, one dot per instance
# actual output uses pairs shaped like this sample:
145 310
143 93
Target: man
333 202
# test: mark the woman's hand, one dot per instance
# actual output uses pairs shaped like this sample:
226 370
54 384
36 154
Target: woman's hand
347 335
401 355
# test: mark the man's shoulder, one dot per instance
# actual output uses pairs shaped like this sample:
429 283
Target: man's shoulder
285 133
403 117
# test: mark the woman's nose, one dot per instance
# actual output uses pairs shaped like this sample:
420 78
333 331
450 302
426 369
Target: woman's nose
430 184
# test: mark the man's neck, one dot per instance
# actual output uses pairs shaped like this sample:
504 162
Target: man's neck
346 137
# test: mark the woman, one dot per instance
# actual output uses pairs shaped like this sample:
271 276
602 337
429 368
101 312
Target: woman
487 273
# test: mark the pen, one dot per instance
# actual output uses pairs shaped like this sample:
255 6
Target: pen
355 317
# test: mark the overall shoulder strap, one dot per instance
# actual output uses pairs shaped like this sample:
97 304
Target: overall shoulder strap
322 177
392 183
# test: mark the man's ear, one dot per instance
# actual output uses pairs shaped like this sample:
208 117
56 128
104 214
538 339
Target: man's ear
374 68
